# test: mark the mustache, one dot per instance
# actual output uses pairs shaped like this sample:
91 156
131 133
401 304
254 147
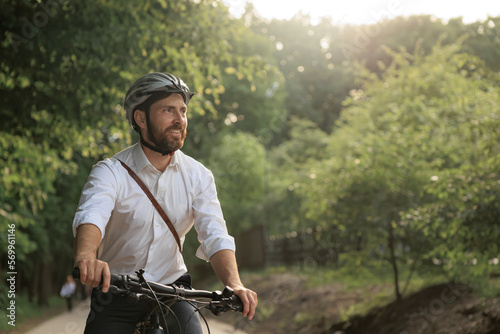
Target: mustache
170 128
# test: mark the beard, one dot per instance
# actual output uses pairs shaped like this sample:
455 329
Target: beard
166 142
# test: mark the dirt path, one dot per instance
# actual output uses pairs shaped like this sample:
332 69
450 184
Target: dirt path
74 323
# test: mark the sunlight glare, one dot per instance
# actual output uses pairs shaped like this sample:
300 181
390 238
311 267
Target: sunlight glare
368 11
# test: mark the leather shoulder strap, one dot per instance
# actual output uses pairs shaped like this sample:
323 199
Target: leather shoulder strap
155 203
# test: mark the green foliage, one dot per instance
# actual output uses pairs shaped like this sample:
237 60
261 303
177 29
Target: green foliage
483 41
287 172
316 81
421 140
65 67
385 133
239 166
252 98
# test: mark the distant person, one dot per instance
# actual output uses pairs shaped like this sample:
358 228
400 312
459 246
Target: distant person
116 219
67 291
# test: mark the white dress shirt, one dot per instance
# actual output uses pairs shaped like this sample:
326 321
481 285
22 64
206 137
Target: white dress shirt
134 236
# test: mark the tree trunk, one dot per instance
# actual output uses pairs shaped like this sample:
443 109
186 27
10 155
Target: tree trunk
33 287
392 260
359 242
45 283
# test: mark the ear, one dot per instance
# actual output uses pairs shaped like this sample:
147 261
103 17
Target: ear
140 118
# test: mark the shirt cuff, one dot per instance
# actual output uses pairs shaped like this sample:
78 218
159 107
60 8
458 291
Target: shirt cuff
211 246
89 219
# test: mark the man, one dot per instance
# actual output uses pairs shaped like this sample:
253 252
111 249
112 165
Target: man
116 219
68 290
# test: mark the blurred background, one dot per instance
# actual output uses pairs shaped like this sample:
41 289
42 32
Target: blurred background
355 148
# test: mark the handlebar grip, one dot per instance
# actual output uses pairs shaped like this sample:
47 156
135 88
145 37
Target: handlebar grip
228 292
237 303
76 273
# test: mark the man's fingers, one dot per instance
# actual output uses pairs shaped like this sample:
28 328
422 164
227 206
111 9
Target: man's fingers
94 272
252 304
246 307
96 277
249 300
83 273
106 278
86 272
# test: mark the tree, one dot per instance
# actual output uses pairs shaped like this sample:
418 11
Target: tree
397 135
252 98
64 70
239 165
287 171
316 81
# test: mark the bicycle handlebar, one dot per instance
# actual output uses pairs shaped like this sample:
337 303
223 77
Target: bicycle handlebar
136 286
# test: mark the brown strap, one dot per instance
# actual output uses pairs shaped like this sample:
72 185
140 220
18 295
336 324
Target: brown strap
155 203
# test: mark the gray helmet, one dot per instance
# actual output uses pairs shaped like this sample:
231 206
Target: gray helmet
144 87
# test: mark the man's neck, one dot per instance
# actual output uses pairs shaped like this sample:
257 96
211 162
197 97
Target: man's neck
158 160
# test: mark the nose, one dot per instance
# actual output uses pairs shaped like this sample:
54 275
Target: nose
179 117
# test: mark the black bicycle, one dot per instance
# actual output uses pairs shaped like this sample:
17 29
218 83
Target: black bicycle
162 297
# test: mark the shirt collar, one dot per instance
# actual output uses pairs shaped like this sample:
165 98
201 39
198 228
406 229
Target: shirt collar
175 159
141 160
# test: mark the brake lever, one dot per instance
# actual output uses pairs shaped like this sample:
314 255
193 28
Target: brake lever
216 310
135 296
217 307
116 290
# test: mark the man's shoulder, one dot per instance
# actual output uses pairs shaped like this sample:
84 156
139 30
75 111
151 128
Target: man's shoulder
189 163
113 162
125 154
184 158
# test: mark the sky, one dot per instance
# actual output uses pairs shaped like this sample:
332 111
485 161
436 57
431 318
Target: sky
369 11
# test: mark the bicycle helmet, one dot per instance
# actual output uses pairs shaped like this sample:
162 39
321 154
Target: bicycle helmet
150 83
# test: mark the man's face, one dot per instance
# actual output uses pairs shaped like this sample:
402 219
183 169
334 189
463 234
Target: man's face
168 121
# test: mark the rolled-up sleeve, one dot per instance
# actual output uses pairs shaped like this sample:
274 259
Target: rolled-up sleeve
209 221
97 200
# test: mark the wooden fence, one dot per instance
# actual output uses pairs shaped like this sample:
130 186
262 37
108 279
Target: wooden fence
256 249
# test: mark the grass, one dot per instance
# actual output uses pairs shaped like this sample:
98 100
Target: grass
488 287
26 312
353 278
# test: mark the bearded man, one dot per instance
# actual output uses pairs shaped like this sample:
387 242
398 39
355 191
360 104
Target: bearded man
118 230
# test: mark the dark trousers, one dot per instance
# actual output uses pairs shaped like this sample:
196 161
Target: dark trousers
110 314
69 303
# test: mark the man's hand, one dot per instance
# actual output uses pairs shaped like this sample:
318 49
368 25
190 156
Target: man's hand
225 267
92 271
248 298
